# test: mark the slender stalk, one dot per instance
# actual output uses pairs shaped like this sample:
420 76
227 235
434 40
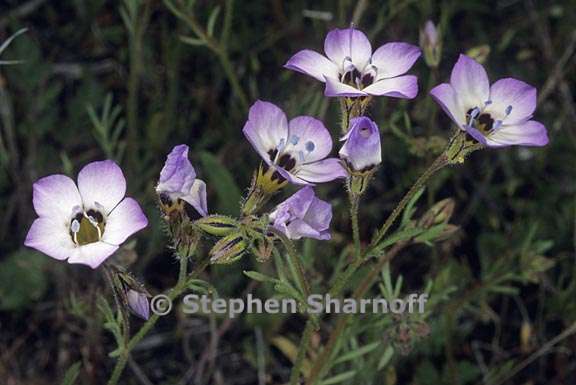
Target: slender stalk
219 48
438 163
354 205
302 349
148 325
289 246
338 330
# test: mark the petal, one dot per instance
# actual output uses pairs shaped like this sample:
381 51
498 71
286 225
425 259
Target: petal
51 238
101 183
319 214
266 128
445 96
362 148
513 93
126 219
197 197
348 43
56 197
92 254
336 88
393 59
177 175
470 83
405 87
312 63
322 171
308 139
299 228
530 133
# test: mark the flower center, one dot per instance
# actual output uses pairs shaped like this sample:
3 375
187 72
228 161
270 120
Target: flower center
356 78
87 227
484 121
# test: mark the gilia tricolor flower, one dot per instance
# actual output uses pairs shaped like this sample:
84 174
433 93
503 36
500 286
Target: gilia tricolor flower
294 151
351 69
85 223
303 215
362 150
178 183
497 115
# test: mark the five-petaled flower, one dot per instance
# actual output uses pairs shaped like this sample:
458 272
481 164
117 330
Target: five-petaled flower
351 69
178 182
362 150
303 215
295 150
497 115
85 223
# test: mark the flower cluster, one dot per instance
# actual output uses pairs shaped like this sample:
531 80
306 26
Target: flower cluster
87 221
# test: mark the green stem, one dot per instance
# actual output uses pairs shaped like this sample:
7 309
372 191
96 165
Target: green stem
175 292
300 275
440 162
354 205
339 329
302 349
218 48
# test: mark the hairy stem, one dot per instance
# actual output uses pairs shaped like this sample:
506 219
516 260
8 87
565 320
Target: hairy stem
354 205
172 294
302 349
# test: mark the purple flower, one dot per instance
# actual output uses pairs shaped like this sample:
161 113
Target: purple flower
351 69
497 115
303 215
178 180
84 224
138 303
362 150
296 149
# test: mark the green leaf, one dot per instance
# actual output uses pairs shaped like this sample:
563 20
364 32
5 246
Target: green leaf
71 374
212 20
221 179
409 210
357 353
339 378
260 277
192 41
22 279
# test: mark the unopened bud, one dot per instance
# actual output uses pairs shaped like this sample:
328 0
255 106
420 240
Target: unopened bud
431 44
262 248
228 249
440 212
217 225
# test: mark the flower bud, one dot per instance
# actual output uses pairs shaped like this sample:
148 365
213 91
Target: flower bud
228 249
362 150
138 303
431 44
440 212
262 248
217 225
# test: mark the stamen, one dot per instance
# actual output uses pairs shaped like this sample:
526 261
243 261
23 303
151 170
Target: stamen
487 102
294 139
281 145
301 156
496 125
508 110
75 226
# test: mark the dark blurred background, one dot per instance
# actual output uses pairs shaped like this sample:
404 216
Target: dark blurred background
127 80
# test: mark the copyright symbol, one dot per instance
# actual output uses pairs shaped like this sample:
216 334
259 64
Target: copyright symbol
161 304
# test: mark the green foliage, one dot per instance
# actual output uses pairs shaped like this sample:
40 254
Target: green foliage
22 280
